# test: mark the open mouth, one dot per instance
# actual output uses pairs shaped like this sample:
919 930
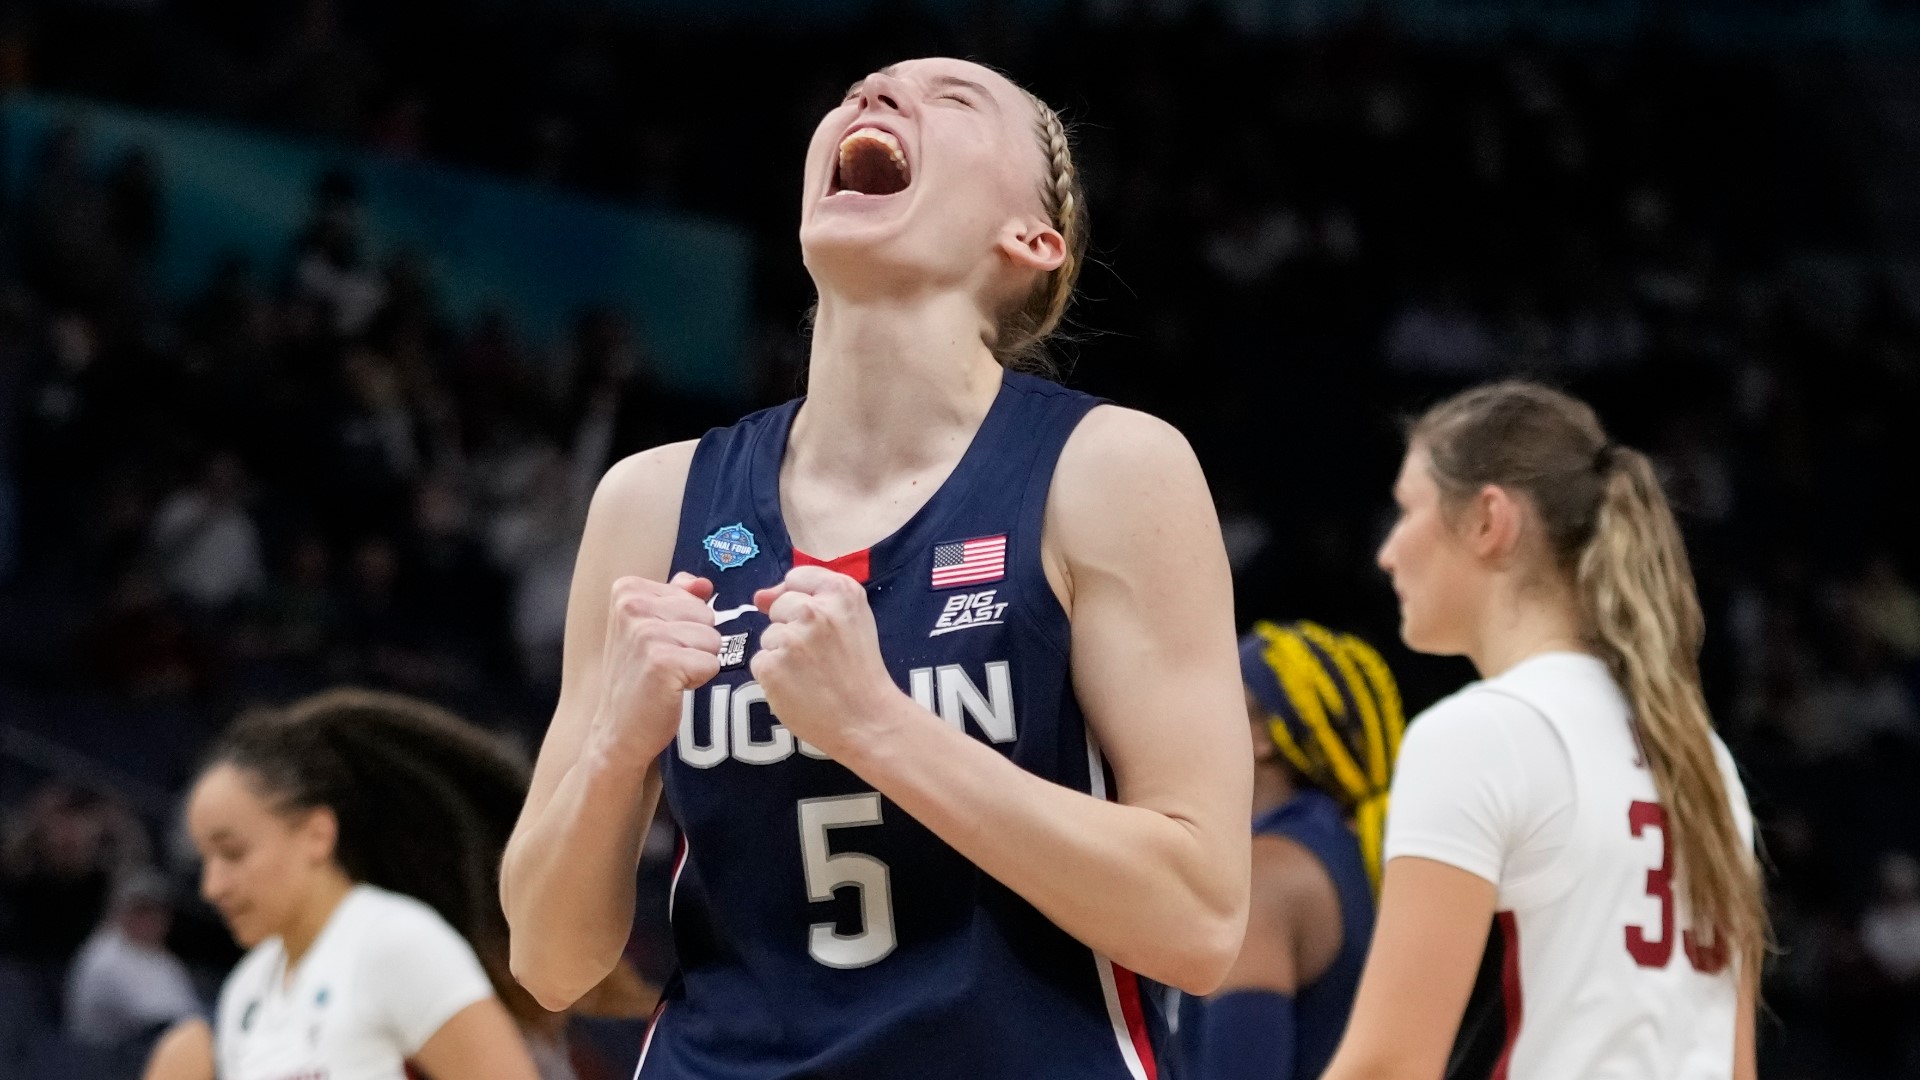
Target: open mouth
871 162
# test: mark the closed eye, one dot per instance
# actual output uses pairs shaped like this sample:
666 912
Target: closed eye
961 98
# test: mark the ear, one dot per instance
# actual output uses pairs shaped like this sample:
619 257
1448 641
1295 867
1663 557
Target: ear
1033 244
1496 524
319 835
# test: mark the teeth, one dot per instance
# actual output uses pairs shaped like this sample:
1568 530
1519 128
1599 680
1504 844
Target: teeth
884 138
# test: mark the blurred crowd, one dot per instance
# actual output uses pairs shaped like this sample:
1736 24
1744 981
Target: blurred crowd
307 473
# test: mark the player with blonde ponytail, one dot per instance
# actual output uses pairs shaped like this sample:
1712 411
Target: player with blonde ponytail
935 666
1576 799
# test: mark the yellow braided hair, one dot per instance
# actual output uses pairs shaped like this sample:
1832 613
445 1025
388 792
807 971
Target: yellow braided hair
1334 713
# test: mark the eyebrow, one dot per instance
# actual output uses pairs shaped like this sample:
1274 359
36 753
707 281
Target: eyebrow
966 84
892 71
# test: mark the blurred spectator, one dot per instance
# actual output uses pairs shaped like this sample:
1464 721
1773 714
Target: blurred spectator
1891 927
297 616
534 535
63 852
125 985
330 264
143 647
204 541
1888 608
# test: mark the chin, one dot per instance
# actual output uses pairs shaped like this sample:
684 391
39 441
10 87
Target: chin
1418 636
245 934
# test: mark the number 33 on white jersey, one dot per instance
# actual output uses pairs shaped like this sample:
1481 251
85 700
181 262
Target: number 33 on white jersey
1533 781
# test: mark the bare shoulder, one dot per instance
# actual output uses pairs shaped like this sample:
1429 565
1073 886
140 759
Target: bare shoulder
647 477
1116 445
1122 467
635 516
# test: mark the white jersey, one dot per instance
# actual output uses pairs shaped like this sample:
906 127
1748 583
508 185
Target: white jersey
1533 781
381 978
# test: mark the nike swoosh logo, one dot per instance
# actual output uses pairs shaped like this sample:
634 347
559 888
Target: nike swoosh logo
730 614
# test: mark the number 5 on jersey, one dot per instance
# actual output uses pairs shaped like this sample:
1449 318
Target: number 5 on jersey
866 874
1657 952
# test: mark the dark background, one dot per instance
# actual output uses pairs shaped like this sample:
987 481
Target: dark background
1700 216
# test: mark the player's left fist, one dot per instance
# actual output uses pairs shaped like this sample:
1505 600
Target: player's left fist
819 660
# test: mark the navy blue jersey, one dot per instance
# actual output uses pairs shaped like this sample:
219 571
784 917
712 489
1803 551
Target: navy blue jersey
822 932
1315 821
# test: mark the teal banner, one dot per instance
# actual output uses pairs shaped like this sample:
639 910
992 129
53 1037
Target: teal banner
1747 24
542 257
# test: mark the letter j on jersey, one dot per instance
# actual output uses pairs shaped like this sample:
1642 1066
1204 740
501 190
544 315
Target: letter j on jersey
731 546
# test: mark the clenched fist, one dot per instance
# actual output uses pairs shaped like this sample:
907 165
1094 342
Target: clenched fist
659 642
819 662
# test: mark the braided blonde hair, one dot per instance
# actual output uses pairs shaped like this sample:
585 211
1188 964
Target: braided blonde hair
1023 332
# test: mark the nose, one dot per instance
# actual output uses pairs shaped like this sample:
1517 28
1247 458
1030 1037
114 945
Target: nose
882 92
1384 557
212 883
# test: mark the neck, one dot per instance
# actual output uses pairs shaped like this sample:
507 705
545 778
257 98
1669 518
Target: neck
1524 621
1271 787
893 385
313 915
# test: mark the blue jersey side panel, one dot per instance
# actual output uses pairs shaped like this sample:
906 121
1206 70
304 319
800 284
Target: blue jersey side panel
823 932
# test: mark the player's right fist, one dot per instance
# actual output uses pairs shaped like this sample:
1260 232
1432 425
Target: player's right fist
660 641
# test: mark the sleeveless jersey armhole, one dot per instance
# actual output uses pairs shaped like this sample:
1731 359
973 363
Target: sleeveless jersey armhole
1029 559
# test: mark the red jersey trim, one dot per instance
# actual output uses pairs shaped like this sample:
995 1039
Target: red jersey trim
856 565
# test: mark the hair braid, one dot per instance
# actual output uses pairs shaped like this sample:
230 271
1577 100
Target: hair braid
1024 332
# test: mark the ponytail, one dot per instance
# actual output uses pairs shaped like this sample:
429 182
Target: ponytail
1637 591
1612 534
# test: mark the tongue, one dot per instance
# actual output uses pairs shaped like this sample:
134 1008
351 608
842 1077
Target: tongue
867 166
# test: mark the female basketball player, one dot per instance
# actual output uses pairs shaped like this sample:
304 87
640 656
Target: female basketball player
935 666
1326 723
1578 793
348 842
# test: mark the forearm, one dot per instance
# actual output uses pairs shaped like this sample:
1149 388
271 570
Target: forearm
567 882
1145 888
185 1052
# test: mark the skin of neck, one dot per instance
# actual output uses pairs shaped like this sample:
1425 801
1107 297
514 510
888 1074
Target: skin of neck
896 384
323 898
1527 611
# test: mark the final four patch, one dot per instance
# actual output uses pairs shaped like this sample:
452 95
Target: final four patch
730 546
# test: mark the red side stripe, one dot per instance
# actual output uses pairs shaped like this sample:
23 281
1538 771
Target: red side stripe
1510 990
855 565
1127 984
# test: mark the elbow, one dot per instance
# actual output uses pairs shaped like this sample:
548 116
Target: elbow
1206 954
555 985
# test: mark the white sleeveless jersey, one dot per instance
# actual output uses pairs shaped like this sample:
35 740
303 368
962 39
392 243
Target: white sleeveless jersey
1604 978
385 973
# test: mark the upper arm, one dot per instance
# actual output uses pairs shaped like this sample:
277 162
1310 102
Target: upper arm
631 527
185 1052
480 1042
1293 922
1427 942
1136 543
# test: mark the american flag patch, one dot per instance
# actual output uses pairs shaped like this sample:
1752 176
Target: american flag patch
970 562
